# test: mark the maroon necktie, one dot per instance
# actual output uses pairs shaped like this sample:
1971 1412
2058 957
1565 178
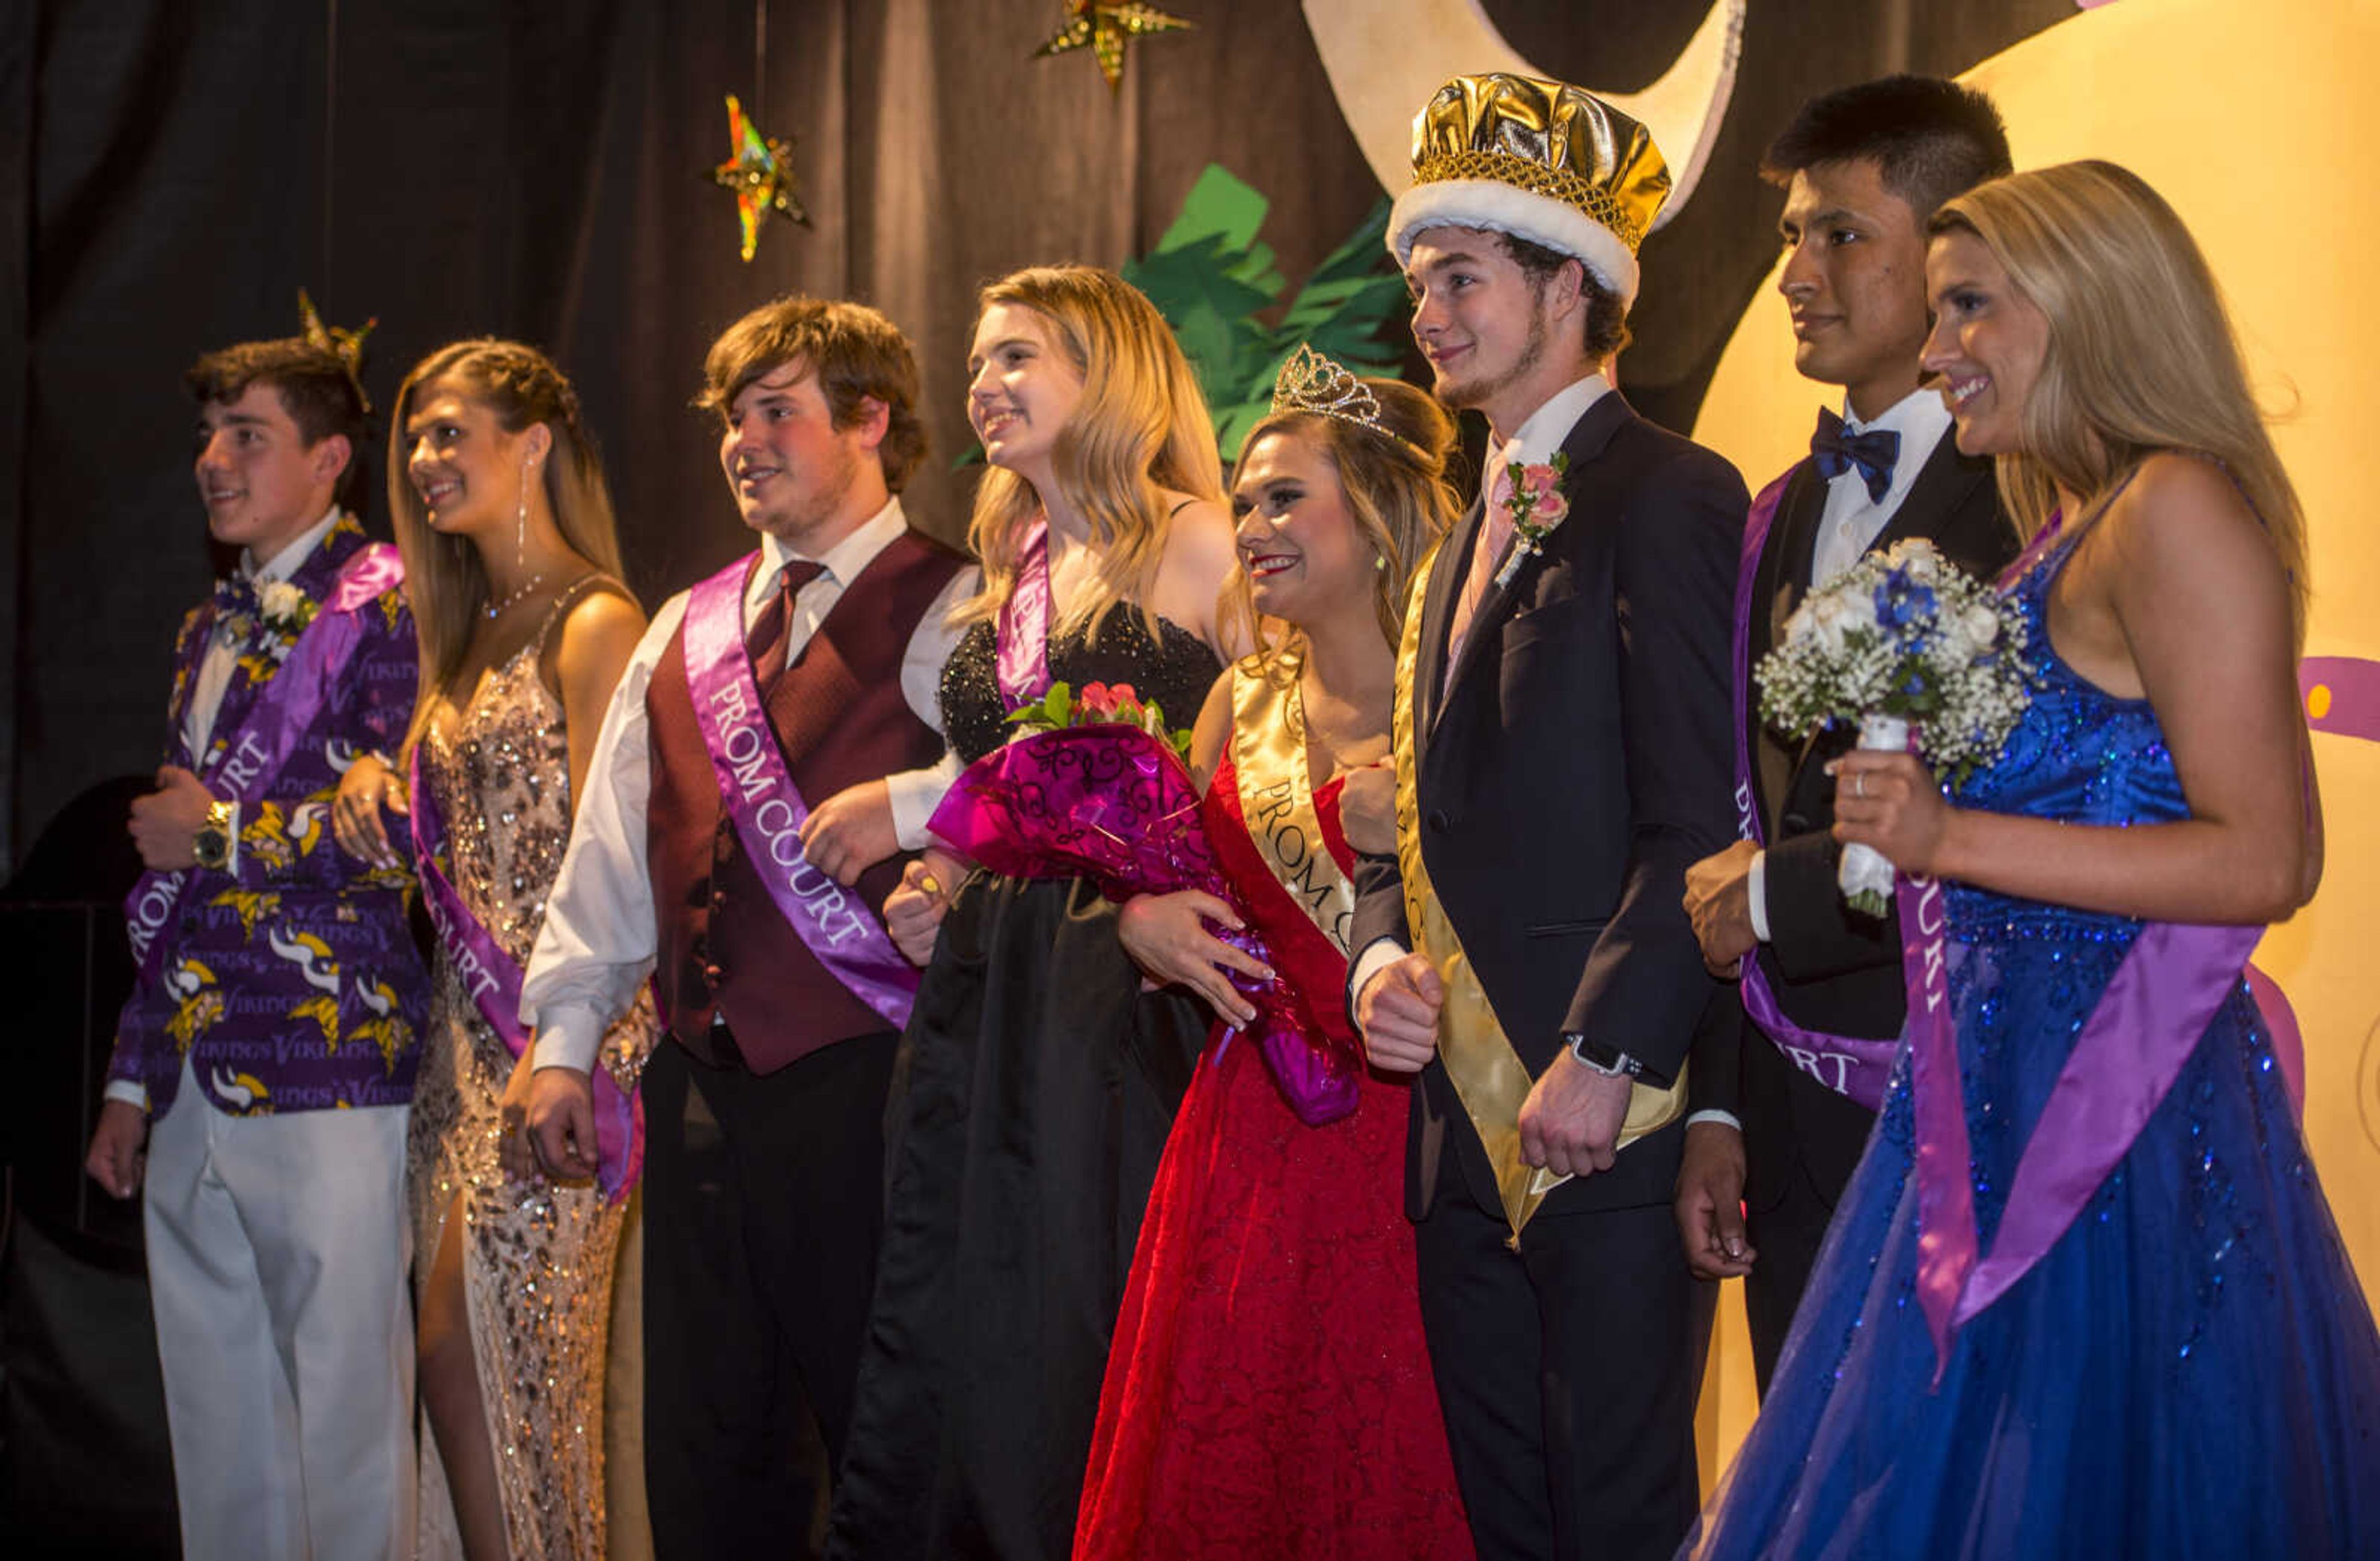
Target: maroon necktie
773 630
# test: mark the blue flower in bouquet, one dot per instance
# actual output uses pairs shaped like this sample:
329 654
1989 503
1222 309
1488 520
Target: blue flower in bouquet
1904 633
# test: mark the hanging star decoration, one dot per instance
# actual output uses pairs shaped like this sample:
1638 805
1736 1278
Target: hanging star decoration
760 174
1103 28
346 346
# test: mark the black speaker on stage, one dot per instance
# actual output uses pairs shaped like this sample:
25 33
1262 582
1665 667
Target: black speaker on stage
85 1467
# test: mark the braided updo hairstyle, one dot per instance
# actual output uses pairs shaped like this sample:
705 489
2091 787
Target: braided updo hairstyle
444 579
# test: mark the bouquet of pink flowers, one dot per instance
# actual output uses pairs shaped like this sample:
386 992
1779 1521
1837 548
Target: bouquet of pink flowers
1096 786
1099 704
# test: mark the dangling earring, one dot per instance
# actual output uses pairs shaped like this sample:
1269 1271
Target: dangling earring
520 534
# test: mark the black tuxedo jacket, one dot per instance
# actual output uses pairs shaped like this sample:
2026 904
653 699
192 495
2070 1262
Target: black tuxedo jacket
1580 758
1831 969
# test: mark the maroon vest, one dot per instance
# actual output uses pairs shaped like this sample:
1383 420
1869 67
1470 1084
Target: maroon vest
841 719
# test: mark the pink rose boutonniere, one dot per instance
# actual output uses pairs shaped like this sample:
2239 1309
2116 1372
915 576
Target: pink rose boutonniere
1537 506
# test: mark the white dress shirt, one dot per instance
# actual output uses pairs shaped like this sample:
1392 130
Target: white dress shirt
1848 526
1540 436
599 938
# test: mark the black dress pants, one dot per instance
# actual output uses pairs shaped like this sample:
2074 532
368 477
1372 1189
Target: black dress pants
1569 1372
763 1206
1787 1235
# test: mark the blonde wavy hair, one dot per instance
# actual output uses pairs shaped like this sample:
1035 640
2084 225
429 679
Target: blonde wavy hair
444 579
1140 427
2141 355
1397 494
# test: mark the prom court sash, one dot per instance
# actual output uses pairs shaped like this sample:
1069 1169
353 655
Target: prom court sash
757 789
1851 1067
1276 799
1488 1075
1020 638
494 978
284 708
2132 1046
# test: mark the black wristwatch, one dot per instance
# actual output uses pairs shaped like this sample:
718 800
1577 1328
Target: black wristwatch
1607 1060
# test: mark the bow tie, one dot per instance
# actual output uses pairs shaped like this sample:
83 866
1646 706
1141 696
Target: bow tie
1837 450
236 607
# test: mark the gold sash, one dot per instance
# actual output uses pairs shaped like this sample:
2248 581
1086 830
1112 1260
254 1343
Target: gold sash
1277 797
1488 1075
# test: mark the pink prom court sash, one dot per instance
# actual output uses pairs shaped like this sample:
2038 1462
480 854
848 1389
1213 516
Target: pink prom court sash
1022 633
284 708
494 978
757 789
1851 1067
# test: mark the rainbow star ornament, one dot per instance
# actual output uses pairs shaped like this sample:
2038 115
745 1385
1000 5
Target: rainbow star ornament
1104 28
760 174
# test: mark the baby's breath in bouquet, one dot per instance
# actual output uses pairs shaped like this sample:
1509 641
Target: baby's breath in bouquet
1902 642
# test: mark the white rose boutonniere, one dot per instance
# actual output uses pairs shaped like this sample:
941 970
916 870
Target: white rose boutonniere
283 611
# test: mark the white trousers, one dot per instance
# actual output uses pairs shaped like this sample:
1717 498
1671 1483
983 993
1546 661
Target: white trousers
276 1271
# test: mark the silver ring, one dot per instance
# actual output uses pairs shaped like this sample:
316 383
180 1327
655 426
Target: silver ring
1859 783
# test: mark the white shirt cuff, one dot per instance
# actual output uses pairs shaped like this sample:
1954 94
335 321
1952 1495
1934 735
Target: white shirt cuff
913 796
128 1090
1756 890
1725 1118
1378 956
568 1035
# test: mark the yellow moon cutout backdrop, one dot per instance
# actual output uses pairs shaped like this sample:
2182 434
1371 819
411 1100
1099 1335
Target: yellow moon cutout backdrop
2260 122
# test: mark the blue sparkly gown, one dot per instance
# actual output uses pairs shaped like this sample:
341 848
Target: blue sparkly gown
2190 1371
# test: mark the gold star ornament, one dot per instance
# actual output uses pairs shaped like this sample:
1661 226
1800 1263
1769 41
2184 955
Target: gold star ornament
760 176
346 346
1104 28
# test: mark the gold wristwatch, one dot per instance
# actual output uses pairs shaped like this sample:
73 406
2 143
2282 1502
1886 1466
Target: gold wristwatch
212 844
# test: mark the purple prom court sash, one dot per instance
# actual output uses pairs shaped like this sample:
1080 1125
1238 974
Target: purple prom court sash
1851 1067
1022 633
2144 1027
493 980
757 789
2133 1047
284 709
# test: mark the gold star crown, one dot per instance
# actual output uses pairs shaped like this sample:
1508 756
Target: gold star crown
1310 383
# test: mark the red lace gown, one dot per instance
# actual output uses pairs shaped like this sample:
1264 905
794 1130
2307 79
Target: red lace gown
1269 1392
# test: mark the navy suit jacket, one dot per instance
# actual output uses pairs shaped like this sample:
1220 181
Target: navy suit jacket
1830 969
1580 758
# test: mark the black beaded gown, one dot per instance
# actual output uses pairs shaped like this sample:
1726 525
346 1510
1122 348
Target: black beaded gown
1030 1103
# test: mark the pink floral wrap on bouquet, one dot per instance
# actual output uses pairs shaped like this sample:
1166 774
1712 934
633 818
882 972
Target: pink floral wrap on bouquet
1115 805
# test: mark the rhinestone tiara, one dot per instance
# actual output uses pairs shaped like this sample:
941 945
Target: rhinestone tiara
1310 383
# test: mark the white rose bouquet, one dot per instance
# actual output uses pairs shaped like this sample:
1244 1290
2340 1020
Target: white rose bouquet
1902 642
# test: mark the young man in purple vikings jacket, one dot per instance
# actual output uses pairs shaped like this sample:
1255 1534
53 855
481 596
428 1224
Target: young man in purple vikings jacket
804 676
268 1049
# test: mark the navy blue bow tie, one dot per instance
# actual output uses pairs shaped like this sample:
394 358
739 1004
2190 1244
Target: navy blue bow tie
1837 450
236 606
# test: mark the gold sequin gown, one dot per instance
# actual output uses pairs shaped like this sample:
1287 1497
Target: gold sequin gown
536 1260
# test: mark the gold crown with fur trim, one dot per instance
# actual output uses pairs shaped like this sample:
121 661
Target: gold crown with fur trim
1542 161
